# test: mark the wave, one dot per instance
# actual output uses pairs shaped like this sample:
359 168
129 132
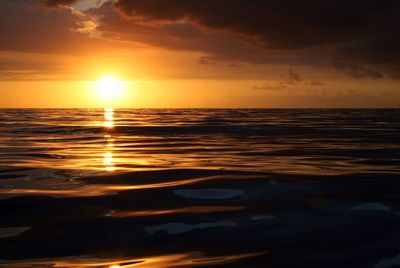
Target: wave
199 188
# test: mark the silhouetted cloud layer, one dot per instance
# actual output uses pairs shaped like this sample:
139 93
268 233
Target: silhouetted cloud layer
361 36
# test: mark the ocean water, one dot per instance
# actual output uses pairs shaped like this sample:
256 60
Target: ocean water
199 188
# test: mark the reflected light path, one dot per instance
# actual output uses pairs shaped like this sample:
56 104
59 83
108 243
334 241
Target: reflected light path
108 117
102 189
87 142
188 210
182 260
108 157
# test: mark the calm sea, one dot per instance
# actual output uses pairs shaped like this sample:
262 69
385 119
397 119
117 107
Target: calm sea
199 188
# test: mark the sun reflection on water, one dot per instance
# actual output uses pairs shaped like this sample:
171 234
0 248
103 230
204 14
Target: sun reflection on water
190 259
108 156
108 117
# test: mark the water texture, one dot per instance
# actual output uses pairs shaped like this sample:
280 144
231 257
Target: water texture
199 188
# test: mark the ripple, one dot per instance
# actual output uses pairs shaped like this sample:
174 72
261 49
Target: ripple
262 217
371 206
390 262
308 185
185 210
12 231
210 193
178 228
163 261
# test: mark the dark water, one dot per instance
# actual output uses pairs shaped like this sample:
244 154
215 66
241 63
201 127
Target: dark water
199 188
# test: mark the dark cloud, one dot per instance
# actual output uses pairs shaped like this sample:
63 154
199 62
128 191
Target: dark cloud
183 35
360 38
204 61
279 24
279 85
291 78
351 32
287 81
58 3
359 70
294 77
26 26
35 40
316 83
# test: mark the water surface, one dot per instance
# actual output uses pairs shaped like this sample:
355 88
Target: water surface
199 188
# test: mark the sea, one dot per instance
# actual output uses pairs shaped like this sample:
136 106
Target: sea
199 188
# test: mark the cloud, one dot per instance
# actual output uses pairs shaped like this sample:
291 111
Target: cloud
359 38
277 24
36 40
316 83
277 85
28 27
216 46
360 71
291 79
58 3
347 33
294 77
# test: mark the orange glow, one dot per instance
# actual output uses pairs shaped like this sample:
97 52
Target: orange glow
147 93
182 260
46 188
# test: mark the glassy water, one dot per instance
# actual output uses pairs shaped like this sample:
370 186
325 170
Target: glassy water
199 188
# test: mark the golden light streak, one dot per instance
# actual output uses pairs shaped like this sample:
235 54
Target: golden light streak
108 157
108 117
192 210
189 259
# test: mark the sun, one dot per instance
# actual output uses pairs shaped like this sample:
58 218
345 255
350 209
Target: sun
108 88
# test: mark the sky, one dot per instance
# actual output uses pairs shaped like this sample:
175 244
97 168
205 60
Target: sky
201 53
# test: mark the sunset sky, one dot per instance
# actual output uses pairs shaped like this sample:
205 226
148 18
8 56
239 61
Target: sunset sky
201 53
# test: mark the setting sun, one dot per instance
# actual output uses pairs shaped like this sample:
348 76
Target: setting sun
109 89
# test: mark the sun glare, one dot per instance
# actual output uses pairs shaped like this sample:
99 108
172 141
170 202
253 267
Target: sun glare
109 89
